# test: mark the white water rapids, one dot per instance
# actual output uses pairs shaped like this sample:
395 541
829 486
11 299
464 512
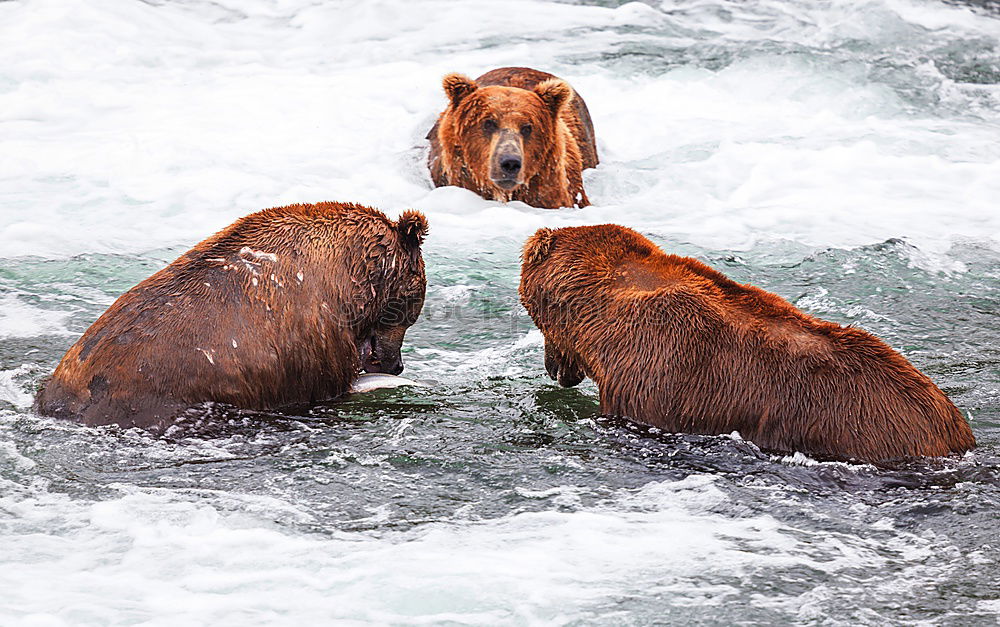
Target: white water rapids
844 154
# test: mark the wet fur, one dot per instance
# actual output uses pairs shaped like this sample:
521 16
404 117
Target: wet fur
266 313
563 143
672 343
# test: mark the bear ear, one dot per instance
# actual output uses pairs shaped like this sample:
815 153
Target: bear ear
458 86
538 245
412 228
555 93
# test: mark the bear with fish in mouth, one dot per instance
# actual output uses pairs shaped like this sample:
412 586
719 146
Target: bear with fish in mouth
283 307
672 343
514 134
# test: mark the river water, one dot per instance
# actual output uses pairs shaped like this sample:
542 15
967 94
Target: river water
845 155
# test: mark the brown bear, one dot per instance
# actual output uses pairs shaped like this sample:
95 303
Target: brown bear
283 307
514 134
674 344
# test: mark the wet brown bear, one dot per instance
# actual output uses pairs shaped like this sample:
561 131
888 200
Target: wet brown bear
514 134
672 343
282 307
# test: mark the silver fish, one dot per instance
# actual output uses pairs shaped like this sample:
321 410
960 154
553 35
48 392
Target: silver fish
368 382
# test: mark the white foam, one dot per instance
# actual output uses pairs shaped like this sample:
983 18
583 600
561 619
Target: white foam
167 132
193 557
12 388
801 459
500 360
20 319
9 452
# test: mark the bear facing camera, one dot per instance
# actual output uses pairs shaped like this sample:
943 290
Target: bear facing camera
672 343
283 307
514 133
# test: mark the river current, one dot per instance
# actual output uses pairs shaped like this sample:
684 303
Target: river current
845 155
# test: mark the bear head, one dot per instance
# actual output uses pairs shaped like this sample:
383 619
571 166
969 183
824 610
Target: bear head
504 135
390 288
552 293
582 285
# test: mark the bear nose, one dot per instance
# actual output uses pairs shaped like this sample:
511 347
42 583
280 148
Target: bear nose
510 165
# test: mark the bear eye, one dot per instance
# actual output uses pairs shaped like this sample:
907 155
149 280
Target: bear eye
490 126
526 130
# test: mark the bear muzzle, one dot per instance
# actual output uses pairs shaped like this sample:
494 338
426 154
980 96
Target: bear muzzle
380 356
507 162
562 368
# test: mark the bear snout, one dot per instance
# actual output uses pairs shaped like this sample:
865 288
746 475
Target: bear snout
508 161
392 365
561 368
380 367
380 356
